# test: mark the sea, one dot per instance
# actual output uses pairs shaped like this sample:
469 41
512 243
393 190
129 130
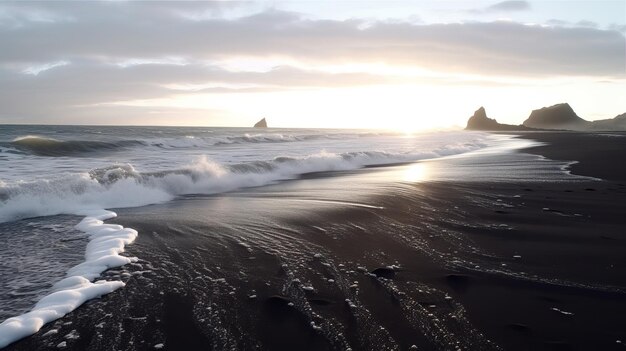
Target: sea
61 186
50 170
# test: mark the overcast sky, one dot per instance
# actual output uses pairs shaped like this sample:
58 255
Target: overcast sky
367 64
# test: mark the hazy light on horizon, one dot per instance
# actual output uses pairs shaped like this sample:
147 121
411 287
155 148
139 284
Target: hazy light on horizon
387 65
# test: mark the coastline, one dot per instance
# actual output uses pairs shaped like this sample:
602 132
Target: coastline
595 157
442 256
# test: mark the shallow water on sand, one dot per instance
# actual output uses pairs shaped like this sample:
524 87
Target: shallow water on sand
71 170
318 264
376 258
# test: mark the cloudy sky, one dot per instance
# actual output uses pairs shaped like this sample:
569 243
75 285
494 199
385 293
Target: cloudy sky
367 64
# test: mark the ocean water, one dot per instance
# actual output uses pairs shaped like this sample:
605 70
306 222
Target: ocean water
49 170
49 175
220 210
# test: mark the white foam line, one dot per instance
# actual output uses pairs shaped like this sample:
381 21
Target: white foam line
106 242
348 203
567 168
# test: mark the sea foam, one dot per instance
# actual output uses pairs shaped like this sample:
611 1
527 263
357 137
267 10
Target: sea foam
121 185
106 242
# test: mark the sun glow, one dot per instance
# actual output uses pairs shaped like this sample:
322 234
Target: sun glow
402 107
417 172
406 108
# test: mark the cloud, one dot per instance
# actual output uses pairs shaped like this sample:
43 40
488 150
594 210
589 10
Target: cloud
579 24
507 6
557 22
14 15
618 27
588 24
35 70
135 50
500 7
494 48
83 88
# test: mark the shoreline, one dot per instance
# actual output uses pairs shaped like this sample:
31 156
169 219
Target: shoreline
590 149
434 263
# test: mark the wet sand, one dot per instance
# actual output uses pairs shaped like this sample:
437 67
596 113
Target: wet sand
599 154
374 259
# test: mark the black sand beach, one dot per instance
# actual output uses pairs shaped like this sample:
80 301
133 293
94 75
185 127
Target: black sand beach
374 260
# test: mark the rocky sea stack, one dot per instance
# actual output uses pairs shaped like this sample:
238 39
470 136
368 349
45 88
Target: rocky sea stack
261 124
480 121
559 116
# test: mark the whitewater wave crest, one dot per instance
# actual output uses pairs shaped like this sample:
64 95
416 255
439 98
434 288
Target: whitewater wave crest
191 141
121 185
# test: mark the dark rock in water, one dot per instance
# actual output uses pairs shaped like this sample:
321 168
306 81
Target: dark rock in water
480 121
559 116
261 124
384 272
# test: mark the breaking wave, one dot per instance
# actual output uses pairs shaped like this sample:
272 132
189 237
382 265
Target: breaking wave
192 141
29 192
121 185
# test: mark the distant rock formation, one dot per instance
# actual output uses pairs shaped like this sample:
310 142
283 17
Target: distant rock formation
559 116
261 124
614 124
480 121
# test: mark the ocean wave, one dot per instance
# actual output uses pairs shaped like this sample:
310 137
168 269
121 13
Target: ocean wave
122 185
118 186
191 141
45 146
266 138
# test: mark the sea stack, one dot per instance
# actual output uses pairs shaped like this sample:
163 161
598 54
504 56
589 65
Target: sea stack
559 116
480 121
261 124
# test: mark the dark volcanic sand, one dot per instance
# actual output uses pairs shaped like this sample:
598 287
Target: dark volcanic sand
600 155
516 265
